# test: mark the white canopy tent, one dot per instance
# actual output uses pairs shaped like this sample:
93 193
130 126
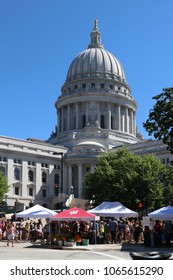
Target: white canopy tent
113 209
37 211
164 213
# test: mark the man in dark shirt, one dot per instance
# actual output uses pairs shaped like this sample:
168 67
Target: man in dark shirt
113 229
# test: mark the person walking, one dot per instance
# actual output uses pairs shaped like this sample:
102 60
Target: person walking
113 230
27 231
11 234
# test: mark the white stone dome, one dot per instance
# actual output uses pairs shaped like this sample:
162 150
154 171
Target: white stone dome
95 62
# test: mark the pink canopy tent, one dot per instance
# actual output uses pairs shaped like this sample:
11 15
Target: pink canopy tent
74 214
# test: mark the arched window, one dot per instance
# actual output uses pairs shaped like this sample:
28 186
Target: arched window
2 170
16 174
56 179
44 177
31 176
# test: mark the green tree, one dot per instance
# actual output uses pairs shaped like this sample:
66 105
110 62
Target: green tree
167 181
3 186
128 178
160 121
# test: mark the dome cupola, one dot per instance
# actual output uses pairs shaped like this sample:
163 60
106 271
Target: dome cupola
96 102
95 62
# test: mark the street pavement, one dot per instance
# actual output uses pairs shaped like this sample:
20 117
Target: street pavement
43 251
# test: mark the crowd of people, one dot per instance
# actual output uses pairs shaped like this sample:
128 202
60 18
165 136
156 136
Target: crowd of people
107 231
116 231
21 231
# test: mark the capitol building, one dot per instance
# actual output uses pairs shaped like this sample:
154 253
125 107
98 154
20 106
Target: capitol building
96 113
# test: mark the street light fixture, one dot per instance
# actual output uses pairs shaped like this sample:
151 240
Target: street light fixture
62 164
72 189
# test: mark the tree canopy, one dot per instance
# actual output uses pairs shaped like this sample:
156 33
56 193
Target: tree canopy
3 186
129 178
160 121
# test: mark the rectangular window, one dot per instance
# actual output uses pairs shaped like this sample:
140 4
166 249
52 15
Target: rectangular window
17 161
111 86
32 163
83 85
3 159
30 191
16 190
44 165
56 166
93 85
102 86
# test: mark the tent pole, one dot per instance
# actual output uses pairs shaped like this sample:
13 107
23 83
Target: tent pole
95 232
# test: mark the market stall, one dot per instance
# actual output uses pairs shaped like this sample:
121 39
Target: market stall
37 211
72 226
113 209
162 226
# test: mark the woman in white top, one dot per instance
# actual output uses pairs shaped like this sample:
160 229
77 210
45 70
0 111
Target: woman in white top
11 234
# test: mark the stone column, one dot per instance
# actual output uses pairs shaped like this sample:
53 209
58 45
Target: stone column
122 119
24 179
80 180
58 121
62 119
38 181
134 123
92 168
69 178
131 122
119 117
86 112
68 117
126 120
77 116
109 116
98 112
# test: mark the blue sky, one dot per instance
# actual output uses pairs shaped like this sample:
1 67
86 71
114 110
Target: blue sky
40 38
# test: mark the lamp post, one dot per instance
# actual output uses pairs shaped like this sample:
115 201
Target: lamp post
61 188
146 200
71 189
